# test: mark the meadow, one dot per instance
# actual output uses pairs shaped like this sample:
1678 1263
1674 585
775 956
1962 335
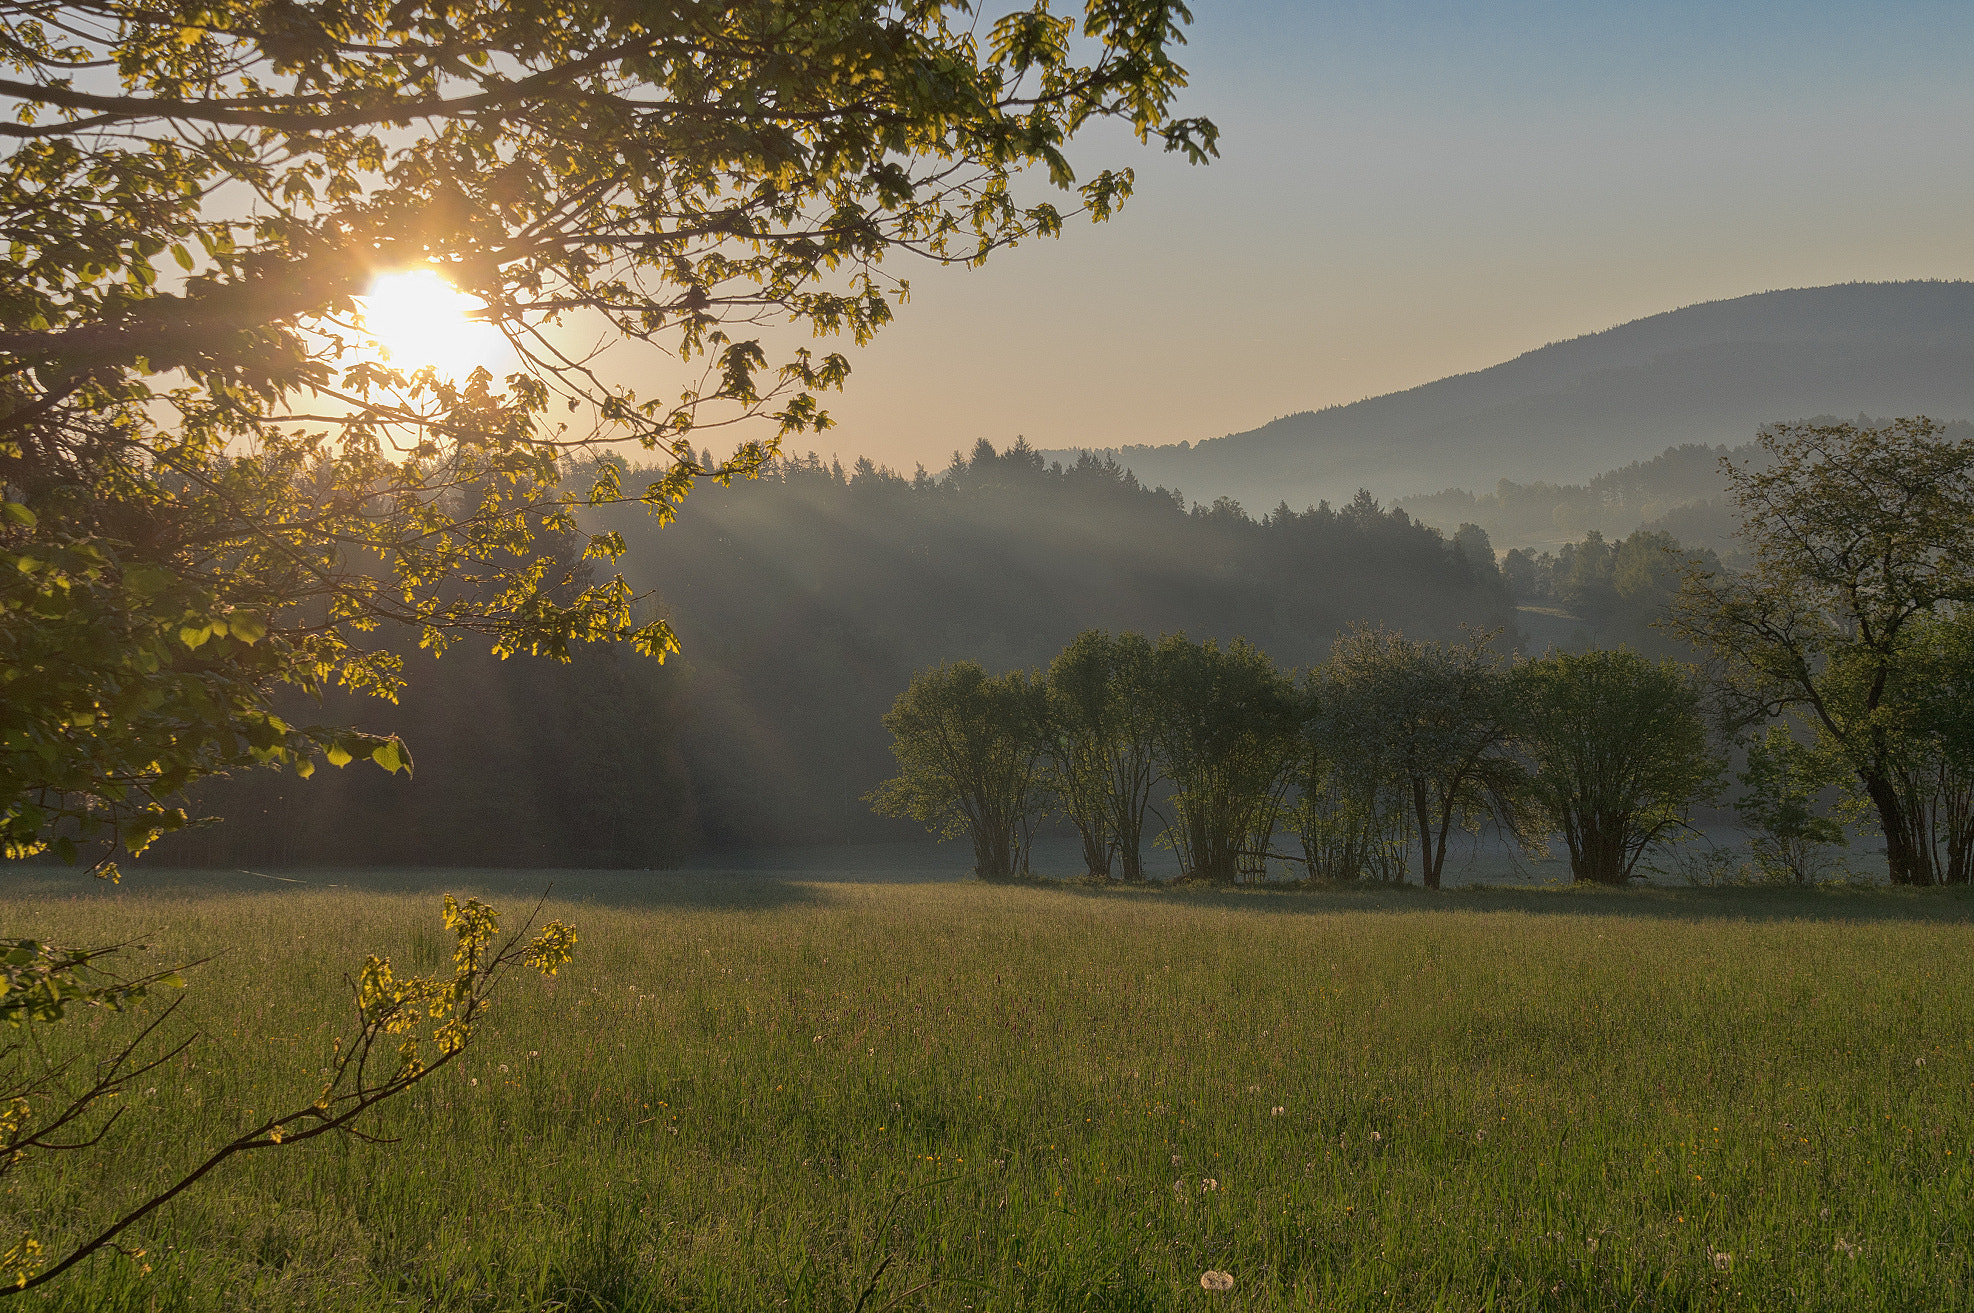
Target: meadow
754 1092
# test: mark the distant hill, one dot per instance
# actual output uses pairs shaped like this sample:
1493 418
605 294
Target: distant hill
1708 374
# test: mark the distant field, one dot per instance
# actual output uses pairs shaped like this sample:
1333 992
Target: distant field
752 1093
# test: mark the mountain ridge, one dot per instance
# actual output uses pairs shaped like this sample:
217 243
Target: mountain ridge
1709 373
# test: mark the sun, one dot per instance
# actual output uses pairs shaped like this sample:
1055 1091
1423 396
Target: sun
418 319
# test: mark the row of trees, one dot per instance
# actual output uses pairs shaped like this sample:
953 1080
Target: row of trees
1365 762
1846 650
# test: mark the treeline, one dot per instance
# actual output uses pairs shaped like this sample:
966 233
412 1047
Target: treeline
1614 502
525 762
1682 491
1363 767
805 600
1617 593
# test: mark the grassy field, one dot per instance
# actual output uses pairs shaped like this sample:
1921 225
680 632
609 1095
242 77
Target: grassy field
754 1093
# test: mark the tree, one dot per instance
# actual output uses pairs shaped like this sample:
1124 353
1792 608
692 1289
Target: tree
1100 746
1226 736
1780 786
1617 752
1927 718
1432 718
969 748
1347 813
215 486
1859 534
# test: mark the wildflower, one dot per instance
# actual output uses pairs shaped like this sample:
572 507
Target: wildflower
1849 1250
1207 1185
1175 1160
1277 1110
1375 1137
1722 1262
1481 1134
1218 1282
503 1066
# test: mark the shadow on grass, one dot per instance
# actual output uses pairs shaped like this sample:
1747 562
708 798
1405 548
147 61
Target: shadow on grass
1855 903
797 878
655 890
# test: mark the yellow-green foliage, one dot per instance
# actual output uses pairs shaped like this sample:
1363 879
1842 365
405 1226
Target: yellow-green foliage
745 1093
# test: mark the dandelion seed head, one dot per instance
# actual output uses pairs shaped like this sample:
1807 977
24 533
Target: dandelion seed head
1218 1282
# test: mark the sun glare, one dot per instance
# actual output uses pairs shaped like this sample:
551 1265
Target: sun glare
419 319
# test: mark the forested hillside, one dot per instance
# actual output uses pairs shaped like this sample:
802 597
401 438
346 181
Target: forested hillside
805 600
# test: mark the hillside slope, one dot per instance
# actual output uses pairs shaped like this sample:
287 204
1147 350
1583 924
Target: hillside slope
1710 373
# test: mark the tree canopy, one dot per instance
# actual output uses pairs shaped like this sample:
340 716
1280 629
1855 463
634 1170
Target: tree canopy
214 485
1863 536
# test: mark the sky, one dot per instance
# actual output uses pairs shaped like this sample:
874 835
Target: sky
1408 190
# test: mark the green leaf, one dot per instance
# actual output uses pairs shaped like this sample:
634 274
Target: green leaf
19 514
148 580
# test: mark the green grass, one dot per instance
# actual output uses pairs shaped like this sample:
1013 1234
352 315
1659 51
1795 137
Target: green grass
751 1094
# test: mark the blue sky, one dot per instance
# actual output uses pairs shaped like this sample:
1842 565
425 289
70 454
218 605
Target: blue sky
1413 190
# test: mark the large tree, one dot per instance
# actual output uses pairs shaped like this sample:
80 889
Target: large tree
1861 534
1349 814
1100 740
1226 732
214 485
1432 720
969 748
1617 753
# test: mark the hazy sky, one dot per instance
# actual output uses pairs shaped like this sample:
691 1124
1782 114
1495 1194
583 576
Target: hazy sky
1412 190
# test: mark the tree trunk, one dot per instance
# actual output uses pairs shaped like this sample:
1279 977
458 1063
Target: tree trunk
1908 861
1096 850
1602 852
1428 868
